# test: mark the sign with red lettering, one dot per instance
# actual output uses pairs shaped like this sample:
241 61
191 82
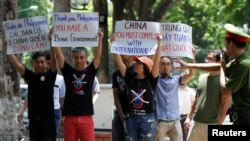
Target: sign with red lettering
176 40
75 29
27 35
135 37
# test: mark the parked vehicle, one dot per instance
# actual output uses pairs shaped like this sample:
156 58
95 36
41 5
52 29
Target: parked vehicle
23 94
23 91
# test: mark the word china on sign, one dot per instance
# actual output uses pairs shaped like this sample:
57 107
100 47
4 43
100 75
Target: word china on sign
75 29
26 35
176 40
135 37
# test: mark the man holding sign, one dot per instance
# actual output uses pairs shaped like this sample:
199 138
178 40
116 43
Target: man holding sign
40 95
78 106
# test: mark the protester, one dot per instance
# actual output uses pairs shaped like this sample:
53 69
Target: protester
167 101
140 120
58 95
78 104
238 74
40 95
120 93
186 96
210 104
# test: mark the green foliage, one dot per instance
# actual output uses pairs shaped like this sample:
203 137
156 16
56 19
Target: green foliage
43 8
207 18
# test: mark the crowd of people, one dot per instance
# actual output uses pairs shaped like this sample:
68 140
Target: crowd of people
151 102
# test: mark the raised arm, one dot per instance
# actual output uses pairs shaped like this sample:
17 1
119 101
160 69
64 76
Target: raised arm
98 51
118 60
204 66
187 77
157 57
59 56
15 62
53 59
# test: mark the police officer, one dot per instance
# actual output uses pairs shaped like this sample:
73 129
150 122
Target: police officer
237 72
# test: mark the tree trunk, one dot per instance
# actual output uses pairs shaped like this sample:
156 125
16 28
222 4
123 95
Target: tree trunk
101 6
64 6
10 100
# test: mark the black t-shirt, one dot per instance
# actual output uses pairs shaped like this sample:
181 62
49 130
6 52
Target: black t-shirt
40 94
119 82
141 91
78 96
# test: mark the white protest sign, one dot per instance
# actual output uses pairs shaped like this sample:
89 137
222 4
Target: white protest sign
135 37
27 35
176 40
75 29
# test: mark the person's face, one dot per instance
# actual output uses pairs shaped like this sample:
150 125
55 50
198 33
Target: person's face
229 49
165 66
210 58
138 67
39 64
80 60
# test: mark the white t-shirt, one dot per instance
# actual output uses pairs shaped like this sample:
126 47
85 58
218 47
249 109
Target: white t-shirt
186 96
96 87
59 90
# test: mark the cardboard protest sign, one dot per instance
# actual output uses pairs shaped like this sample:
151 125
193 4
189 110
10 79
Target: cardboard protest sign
176 40
75 29
26 35
135 37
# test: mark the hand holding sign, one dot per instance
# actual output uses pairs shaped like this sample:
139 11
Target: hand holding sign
135 38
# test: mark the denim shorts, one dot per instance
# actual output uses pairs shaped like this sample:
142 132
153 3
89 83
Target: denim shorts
140 127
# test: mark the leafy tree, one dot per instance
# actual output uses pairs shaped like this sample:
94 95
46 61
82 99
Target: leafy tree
207 18
44 7
9 84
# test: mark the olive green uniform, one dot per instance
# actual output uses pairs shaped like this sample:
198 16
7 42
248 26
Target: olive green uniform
238 73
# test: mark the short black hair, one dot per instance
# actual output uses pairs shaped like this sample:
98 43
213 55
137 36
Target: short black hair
80 49
168 58
47 55
217 53
37 54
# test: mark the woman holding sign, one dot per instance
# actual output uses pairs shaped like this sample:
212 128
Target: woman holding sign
140 120
78 106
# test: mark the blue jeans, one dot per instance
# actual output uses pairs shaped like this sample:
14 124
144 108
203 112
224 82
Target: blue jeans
140 127
57 119
117 128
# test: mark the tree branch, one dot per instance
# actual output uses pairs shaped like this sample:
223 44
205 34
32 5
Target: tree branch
161 9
